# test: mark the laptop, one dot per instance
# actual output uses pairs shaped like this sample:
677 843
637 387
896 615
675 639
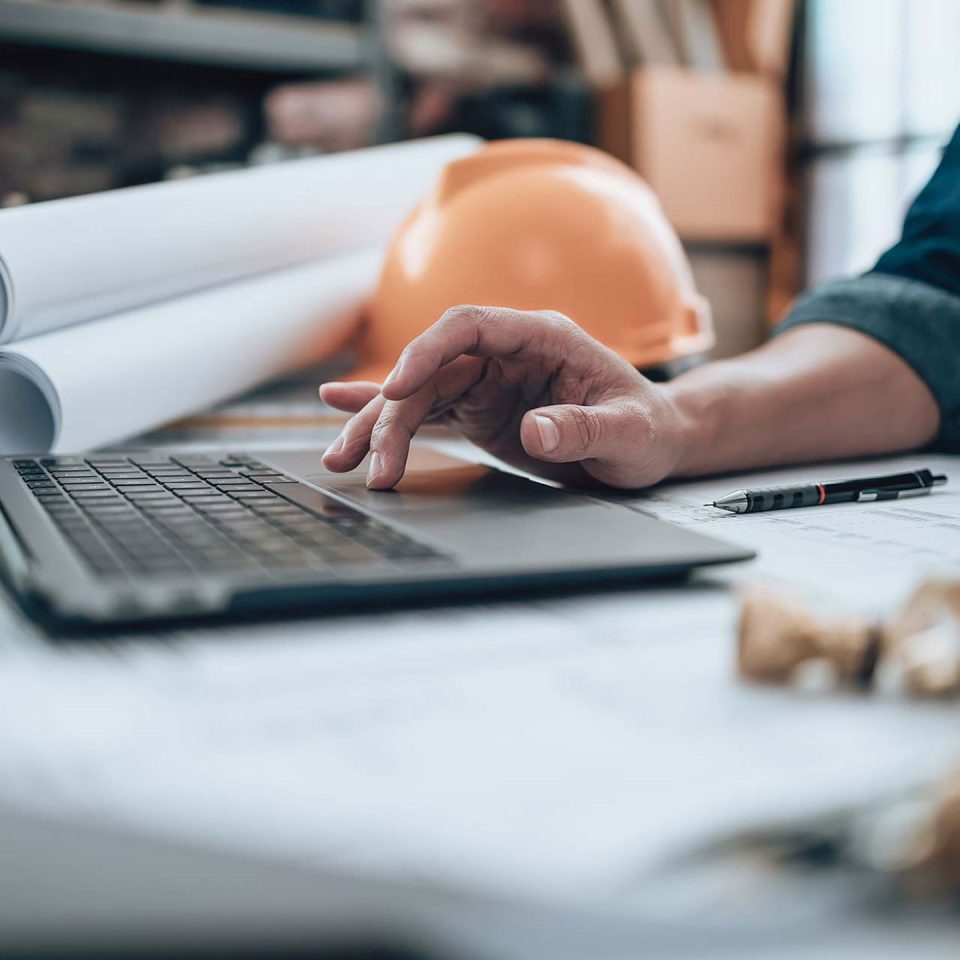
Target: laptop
145 535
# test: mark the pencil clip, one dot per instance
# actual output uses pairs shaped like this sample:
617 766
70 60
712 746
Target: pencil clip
891 493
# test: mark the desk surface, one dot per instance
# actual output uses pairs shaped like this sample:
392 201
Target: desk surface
558 750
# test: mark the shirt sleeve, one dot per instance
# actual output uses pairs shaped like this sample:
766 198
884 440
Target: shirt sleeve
910 301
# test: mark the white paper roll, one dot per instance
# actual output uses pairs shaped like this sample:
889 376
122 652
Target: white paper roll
67 261
109 379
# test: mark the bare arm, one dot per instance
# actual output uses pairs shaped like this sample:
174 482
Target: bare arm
814 393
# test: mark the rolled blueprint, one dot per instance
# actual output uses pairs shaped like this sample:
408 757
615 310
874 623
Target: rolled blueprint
67 261
103 381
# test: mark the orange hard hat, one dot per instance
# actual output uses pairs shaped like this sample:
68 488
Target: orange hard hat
535 225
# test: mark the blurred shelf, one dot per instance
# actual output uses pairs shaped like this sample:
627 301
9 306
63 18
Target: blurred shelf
224 38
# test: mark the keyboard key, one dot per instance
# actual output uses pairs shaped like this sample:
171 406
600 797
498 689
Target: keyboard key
350 553
150 462
260 475
170 516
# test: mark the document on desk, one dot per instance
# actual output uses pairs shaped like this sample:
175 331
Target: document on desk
556 749
863 556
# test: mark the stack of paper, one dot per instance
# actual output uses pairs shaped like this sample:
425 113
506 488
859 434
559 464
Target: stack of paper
123 310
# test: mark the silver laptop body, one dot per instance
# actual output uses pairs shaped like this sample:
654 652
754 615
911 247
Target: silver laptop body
153 534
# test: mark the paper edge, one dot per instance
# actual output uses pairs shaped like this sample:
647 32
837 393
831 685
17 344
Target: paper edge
6 302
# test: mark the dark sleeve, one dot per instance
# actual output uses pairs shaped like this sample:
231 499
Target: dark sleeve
910 301
929 248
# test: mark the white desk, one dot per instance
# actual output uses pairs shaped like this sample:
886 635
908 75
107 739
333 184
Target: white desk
559 750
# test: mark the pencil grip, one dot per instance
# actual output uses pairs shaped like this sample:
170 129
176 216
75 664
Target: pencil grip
781 498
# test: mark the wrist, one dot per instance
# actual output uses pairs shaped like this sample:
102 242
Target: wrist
696 420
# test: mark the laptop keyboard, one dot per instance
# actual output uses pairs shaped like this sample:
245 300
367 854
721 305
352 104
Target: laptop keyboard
183 514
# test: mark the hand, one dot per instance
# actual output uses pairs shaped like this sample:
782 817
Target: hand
529 387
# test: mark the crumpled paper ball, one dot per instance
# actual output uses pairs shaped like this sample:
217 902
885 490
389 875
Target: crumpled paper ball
917 651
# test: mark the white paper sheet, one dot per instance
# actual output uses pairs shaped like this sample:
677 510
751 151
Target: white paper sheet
556 749
856 556
70 260
100 382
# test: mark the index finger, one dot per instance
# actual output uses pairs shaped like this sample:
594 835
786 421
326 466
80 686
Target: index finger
474 331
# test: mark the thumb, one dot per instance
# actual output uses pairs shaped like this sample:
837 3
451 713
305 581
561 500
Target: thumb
566 433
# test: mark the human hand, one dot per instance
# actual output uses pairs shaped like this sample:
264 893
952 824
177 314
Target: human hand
531 388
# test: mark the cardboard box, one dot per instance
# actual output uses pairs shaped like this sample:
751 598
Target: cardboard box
711 145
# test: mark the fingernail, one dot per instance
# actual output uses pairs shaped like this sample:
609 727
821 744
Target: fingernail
373 471
549 434
336 445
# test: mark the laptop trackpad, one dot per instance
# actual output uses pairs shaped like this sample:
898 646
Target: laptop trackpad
434 484
496 520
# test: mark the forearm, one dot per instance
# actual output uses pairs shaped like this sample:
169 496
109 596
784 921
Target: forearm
814 393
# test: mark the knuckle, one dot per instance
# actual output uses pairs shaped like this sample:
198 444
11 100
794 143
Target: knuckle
487 315
588 425
381 430
472 313
478 322
562 329
556 318
352 428
646 424
460 313
640 417
391 425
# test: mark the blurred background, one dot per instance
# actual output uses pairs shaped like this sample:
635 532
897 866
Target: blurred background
783 137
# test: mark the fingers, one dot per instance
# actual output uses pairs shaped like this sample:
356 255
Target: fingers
477 332
351 446
567 433
351 397
390 436
400 419
623 442
386 427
